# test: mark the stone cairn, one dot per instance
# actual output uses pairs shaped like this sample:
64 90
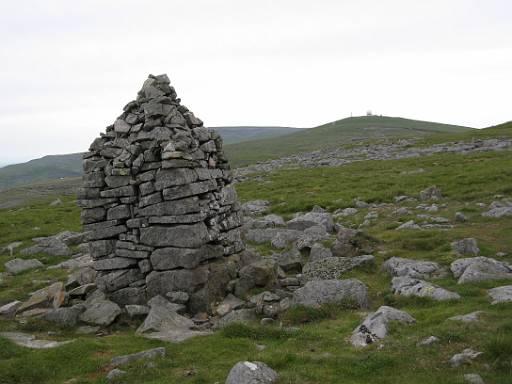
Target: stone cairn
159 208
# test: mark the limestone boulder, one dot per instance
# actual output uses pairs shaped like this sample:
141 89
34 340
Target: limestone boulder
251 373
315 293
398 266
17 266
376 325
480 268
407 286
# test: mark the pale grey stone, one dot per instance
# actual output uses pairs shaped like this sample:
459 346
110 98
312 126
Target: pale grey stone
182 236
101 312
466 246
335 267
318 292
30 341
251 373
481 268
407 286
17 266
501 294
375 325
469 318
397 266
150 354
464 357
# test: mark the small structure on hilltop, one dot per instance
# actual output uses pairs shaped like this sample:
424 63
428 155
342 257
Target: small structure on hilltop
161 213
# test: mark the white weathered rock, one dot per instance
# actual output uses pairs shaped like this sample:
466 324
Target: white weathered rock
397 266
408 225
473 378
318 292
464 357
480 268
9 309
17 266
30 341
407 286
251 373
375 325
335 267
428 341
150 354
468 318
466 246
501 294
115 374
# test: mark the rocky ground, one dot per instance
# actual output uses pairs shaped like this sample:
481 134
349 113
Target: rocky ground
402 149
403 282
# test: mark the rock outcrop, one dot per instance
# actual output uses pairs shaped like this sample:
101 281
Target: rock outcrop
158 205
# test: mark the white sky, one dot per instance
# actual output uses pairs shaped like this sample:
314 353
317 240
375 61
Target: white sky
68 67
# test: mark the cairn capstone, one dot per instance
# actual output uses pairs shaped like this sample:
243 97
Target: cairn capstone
158 203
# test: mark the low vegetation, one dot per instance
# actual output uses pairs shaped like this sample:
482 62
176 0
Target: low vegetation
314 348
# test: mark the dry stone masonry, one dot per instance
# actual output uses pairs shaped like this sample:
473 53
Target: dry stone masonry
158 205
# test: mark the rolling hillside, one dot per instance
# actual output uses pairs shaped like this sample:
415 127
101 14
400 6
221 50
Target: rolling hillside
336 133
232 135
45 168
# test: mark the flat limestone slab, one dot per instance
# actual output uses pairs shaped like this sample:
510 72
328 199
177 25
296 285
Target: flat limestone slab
175 336
29 341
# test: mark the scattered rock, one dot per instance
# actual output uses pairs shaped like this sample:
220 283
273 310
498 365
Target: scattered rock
11 247
345 212
9 310
352 242
460 217
144 355
17 266
408 225
56 202
244 316
164 323
469 318
30 341
101 312
319 252
375 325
311 219
464 357
397 266
115 374
473 378
407 286
335 267
501 294
428 341
498 212
64 316
134 310
481 268
466 246
251 373
255 207
318 292
52 296
431 193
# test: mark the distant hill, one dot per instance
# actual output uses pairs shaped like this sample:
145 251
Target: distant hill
345 131
241 134
45 168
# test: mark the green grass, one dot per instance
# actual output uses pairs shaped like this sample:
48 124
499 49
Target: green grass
319 351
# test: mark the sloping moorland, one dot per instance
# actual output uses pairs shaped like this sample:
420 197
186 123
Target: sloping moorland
312 345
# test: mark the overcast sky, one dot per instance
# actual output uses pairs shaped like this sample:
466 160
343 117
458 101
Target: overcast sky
68 67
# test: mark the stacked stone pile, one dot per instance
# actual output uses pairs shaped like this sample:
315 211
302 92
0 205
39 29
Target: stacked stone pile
158 204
